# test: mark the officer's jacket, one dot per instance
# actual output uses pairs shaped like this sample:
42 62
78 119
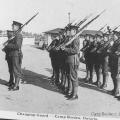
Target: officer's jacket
15 46
72 51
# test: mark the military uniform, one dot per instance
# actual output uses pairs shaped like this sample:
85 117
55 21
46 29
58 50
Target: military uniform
53 56
85 55
16 56
8 58
114 63
91 59
105 64
72 63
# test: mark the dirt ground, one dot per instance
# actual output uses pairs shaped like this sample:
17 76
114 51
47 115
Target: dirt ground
38 95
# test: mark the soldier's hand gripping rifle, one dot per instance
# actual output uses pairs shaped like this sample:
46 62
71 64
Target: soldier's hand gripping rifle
85 48
79 24
11 39
108 42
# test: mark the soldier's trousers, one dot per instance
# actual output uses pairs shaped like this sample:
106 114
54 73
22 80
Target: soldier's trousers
17 61
98 67
105 69
114 63
56 69
90 62
10 68
87 66
71 71
53 66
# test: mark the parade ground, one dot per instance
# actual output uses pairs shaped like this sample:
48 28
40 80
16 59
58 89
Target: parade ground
39 96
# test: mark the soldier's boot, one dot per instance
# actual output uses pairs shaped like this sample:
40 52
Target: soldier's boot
105 80
91 74
98 74
66 85
91 78
57 79
11 81
112 92
70 88
62 85
16 86
74 96
98 79
17 80
117 90
87 76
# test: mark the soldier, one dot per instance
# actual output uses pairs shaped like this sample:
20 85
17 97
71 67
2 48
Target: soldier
105 62
114 63
62 66
52 54
85 54
16 55
98 59
72 62
90 57
8 58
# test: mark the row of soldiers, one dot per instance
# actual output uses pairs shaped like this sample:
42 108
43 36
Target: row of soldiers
65 62
101 53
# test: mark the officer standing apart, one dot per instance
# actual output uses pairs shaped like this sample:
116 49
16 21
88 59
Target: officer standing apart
16 55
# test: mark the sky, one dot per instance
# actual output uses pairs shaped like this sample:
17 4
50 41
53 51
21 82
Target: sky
54 13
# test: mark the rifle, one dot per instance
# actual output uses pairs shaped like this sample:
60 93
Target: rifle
9 40
105 45
116 28
80 31
113 29
85 19
102 27
80 23
85 48
108 42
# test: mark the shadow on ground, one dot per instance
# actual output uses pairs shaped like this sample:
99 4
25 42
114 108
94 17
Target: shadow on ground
49 70
84 84
38 80
3 82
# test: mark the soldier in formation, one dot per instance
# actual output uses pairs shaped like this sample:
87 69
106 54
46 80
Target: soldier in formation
102 55
67 62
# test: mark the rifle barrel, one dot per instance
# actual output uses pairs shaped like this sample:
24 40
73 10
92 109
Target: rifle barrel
80 31
19 29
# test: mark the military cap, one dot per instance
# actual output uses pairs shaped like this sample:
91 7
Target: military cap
69 27
105 34
61 31
17 23
99 35
9 31
116 32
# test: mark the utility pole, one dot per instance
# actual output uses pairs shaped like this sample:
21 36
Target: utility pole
69 17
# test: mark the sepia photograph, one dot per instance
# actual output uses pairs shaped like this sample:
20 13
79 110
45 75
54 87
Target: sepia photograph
59 59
